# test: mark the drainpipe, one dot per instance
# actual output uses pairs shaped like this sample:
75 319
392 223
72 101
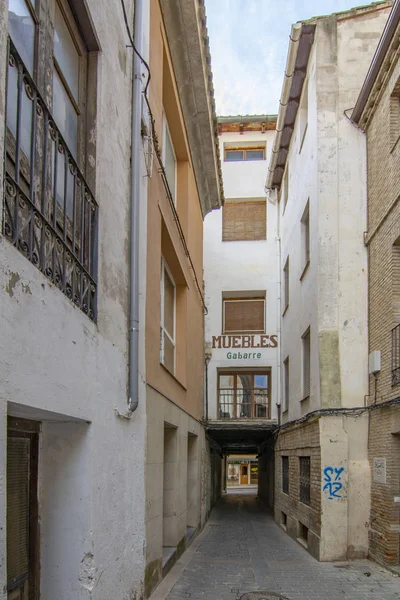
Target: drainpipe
133 389
279 302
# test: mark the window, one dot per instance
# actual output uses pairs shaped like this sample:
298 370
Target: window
243 315
285 186
286 285
50 215
306 364
168 310
303 114
286 382
244 154
305 237
305 480
243 395
244 221
395 114
285 474
169 159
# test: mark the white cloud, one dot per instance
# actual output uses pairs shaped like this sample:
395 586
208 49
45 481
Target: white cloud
249 41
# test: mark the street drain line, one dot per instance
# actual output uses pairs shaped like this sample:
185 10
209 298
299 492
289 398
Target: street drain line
262 595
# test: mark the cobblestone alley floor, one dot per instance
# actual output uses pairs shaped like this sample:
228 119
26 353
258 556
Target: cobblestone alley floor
242 550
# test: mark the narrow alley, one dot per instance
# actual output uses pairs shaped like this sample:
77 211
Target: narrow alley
241 551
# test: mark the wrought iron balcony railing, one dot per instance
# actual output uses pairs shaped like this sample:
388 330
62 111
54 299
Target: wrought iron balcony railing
396 355
50 214
249 403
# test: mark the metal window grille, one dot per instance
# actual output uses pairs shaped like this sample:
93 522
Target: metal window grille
305 485
285 474
396 355
50 214
286 283
306 364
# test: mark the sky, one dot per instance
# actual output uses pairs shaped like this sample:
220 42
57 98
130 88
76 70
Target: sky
249 43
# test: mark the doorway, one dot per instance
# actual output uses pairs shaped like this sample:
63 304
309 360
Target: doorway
22 510
244 475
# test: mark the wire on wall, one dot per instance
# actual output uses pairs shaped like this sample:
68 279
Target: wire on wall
158 154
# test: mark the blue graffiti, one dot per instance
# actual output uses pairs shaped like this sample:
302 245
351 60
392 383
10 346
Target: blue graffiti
332 477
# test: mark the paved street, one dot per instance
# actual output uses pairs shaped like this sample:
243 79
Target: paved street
242 550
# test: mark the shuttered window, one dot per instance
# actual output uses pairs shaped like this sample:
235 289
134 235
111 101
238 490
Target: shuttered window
244 315
17 509
286 381
306 364
167 327
244 221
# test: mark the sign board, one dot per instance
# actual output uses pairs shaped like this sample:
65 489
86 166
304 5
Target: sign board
380 470
244 341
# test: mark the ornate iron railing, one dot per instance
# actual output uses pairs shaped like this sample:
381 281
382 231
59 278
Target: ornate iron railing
396 355
249 403
305 483
50 214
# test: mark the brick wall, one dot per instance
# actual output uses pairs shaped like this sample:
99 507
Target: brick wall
384 295
294 442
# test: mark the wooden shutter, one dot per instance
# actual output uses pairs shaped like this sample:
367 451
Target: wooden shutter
18 458
244 315
306 365
244 221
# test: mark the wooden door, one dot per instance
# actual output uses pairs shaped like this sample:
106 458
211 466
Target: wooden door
244 474
22 526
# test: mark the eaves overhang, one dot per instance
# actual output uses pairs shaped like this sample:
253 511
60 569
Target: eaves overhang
383 62
185 26
246 123
301 41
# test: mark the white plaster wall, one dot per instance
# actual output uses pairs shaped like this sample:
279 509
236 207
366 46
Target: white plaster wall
303 300
240 266
330 171
58 367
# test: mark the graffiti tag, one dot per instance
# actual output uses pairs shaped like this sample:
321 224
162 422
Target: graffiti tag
333 484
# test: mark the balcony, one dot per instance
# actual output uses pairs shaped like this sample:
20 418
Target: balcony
396 355
249 403
50 214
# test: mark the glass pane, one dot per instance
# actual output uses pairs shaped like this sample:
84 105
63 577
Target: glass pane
234 155
169 354
66 53
21 27
255 155
261 381
170 163
227 381
169 301
12 95
65 114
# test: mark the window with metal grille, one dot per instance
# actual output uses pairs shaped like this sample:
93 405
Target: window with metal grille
286 285
50 214
244 221
285 474
395 114
306 364
305 484
286 382
396 355
243 315
244 395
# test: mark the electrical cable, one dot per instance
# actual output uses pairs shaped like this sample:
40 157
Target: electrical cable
159 159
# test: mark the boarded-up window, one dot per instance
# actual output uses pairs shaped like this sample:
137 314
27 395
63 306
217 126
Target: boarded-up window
244 221
244 315
306 364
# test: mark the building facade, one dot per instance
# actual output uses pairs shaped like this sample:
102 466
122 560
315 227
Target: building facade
318 167
241 291
181 483
108 173
377 112
72 470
